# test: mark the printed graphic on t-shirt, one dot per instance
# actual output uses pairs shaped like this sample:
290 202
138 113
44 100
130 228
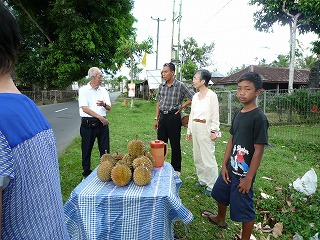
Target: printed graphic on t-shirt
237 160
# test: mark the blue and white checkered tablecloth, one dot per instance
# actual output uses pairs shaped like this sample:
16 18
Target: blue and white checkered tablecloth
98 210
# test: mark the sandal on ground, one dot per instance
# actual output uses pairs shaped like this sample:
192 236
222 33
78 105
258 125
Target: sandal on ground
207 214
236 237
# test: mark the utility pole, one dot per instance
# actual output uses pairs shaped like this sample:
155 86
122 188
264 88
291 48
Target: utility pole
158 20
172 34
175 49
179 44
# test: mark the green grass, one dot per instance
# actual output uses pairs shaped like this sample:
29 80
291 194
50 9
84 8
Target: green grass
292 154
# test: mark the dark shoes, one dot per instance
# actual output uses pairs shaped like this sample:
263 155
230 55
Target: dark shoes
197 184
86 173
206 192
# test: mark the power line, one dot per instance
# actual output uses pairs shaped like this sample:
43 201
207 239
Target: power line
216 13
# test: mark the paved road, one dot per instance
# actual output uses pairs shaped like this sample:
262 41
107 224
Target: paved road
65 120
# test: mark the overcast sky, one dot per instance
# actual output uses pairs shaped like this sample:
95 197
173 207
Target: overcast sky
227 23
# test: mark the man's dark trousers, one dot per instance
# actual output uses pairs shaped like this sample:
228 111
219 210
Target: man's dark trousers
169 127
88 135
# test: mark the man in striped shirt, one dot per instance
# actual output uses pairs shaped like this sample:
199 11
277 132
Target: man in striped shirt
172 97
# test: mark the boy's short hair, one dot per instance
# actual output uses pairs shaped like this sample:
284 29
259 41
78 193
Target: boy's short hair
252 77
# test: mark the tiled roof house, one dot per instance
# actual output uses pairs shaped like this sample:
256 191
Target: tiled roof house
215 76
273 77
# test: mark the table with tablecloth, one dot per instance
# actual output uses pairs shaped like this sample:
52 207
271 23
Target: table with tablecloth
102 210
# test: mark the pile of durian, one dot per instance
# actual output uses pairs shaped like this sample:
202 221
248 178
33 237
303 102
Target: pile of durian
121 168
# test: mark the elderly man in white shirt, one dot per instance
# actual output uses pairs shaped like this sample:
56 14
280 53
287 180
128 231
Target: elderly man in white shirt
94 103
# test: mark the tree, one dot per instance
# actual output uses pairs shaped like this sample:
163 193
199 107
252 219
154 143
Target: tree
117 82
302 61
194 56
282 61
188 69
133 52
61 40
306 62
262 62
201 56
301 15
314 77
237 69
271 11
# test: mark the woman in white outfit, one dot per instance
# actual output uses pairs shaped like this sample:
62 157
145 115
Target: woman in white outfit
204 127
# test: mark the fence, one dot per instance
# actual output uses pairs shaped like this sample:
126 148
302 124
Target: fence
49 97
281 108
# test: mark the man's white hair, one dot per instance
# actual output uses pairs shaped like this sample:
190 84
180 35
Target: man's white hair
92 72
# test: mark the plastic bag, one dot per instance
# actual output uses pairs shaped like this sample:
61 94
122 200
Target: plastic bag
315 237
297 237
307 184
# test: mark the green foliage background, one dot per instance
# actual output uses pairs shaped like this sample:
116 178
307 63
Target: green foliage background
61 39
271 11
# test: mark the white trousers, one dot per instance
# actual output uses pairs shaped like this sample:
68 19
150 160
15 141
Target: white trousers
203 155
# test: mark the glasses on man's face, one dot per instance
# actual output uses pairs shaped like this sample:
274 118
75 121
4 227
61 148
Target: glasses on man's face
98 76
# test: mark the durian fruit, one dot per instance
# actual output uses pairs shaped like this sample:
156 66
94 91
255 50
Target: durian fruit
149 155
136 147
118 156
127 160
121 174
142 161
104 170
142 175
107 157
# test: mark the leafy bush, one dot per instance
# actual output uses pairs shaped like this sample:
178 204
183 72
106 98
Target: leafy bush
153 95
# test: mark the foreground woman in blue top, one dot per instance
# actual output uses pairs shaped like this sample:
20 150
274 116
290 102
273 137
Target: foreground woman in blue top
30 195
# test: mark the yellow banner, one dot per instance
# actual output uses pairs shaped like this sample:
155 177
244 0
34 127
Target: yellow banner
144 60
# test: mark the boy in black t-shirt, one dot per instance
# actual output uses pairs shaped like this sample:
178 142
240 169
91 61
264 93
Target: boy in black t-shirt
249 134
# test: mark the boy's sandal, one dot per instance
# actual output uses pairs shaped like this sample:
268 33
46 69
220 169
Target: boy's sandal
236 237
207 214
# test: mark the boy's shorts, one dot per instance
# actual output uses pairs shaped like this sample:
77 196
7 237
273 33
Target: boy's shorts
241 205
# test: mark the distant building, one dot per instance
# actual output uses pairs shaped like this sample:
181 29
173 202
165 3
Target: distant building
215 76
273 77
